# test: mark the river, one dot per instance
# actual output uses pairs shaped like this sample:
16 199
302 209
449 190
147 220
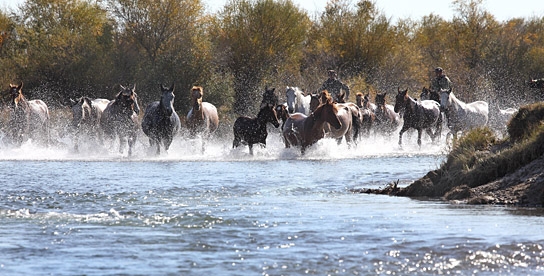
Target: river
224 212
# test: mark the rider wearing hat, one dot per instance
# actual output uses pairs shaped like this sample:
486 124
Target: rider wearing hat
335 87
441 81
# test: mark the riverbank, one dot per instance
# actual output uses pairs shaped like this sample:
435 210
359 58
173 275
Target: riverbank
481 169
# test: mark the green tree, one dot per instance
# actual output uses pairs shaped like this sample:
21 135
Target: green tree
254 40
66 45
161 42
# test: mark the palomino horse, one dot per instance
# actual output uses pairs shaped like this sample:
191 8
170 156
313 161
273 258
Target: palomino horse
28 119
366 109
202 118
86 116
462 116
297 101
120 118
161 122
417 115
250 131
387 120
304 131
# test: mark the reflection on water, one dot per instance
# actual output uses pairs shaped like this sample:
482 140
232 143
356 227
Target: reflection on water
225 212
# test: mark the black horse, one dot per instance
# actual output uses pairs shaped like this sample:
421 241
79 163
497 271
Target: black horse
250 131
120 118
161 122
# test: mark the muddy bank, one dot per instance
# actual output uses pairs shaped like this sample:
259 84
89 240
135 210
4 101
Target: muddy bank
482 170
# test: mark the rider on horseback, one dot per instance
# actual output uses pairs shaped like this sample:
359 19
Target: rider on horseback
441 81
334 86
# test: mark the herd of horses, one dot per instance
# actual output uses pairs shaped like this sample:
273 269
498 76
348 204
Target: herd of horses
304 119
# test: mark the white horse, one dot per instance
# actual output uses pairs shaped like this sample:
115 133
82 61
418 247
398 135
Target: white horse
463 116
297 101
499 118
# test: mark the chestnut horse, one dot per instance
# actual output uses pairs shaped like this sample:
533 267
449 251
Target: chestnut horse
250 131
304 131
161 122
202 118
387 121
422 115
120 118
28 119
86 116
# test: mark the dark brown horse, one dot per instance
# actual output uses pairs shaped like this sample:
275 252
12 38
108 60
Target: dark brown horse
422 115
86 116
387 121
250 131
28 119
203 118
161 122
283 113
269 97
304 131
427 94
120 118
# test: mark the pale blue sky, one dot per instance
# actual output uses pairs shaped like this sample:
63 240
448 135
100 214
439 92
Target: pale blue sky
501 9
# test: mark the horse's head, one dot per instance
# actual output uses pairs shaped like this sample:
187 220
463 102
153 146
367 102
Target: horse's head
81 111
400 100
380 100
16 94
327 112
359 97
269 97
126 99
197 93
268 114
281 112
445 98
290 98
167 99
314 102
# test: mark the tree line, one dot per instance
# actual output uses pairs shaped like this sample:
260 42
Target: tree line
64 49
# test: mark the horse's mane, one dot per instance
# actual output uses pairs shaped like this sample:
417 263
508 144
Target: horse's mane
198 88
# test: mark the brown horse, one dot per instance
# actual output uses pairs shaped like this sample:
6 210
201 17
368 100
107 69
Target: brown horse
28 119
387 121
203 118
366 109
250 131
304 131
120 118
422 115
86 116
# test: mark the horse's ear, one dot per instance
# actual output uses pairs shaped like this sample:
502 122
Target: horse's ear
134 89
173 86
20 86
72 102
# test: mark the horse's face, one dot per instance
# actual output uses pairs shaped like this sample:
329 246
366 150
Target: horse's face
291 99
126 99
400 100
196 97
167 99
314 102
445 98
281 112
380 100
269 97
328 112
81 111
16 93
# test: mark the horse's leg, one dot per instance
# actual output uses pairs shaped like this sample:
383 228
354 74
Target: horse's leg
431 134
131 142
419 132
402 130
122 142
250 149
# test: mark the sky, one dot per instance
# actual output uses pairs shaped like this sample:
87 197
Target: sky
401 9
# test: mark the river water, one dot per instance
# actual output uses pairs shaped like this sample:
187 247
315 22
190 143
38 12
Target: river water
224 212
